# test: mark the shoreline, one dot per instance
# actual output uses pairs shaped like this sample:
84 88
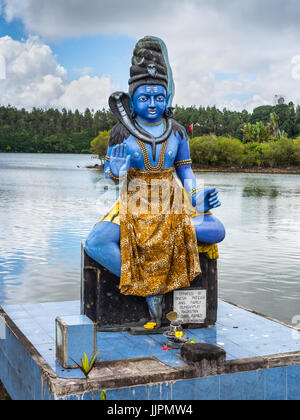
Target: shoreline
283 171
279 171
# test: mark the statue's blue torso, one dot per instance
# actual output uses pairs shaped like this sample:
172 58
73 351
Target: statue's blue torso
137 159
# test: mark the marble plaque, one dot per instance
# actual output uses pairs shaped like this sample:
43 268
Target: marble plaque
190 306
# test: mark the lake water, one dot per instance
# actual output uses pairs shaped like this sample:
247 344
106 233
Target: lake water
49 204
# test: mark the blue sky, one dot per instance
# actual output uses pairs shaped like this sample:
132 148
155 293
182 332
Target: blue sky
98 55
104 55
14 29
74 53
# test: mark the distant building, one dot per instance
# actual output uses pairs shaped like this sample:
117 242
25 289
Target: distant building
279 100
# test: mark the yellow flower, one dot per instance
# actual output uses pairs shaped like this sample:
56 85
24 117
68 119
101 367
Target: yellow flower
178 334
150 326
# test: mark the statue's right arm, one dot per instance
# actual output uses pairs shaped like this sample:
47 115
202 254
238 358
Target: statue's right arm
107 163
107 170
117 162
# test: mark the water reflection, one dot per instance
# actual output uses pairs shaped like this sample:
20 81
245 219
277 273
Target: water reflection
48 206
258 192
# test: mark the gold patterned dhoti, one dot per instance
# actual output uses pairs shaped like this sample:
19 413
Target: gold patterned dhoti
158 240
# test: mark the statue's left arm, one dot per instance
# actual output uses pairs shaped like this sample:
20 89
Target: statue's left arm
202 199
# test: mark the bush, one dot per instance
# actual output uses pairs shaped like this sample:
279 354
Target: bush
204 150
100 144
268 155
284 150
213 151
297 151
231 152
252 155
216 151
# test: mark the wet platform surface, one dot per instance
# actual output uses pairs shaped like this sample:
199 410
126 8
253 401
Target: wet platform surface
241 333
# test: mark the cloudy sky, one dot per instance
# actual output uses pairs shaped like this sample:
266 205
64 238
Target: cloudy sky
74 53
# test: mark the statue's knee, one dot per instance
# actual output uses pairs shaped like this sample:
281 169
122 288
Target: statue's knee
216 232
102 235
93 242
220 233
209 230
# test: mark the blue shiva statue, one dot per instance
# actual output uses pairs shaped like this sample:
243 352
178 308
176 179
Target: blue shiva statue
153 254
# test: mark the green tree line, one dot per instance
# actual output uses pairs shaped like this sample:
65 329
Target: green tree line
231 123
51 130
63 131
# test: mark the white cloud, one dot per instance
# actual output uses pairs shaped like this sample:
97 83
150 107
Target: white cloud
87 91
2 68
248 38
75 17
85 71
35 79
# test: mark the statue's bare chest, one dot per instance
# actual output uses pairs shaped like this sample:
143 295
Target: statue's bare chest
141 153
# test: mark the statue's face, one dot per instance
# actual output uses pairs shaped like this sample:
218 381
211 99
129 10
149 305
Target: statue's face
150 102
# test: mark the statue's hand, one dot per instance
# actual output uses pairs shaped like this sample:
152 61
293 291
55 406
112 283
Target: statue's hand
206 200
119 161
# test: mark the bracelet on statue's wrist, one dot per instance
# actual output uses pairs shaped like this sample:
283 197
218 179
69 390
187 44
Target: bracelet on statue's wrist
186 162
194 191
115 178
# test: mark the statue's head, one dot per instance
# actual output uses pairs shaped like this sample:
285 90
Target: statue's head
150 102
151 84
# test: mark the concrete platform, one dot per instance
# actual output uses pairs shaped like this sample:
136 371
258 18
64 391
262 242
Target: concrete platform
263 360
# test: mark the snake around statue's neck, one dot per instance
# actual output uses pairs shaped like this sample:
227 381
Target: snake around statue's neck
119 103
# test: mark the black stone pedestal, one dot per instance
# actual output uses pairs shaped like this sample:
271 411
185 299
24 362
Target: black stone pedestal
103 303
196 353
3 393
